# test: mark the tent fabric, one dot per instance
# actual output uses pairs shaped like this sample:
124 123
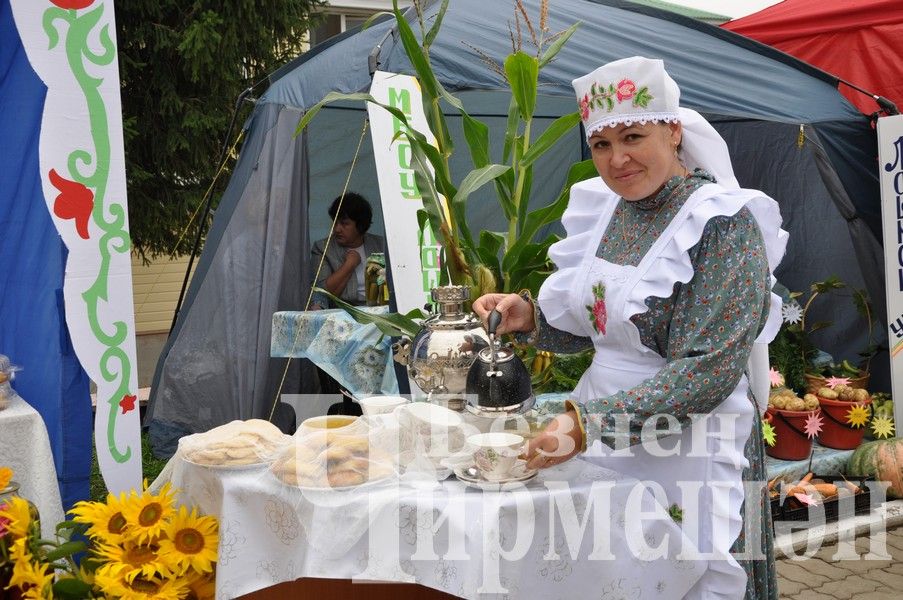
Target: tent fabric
861 42
33 331
217 364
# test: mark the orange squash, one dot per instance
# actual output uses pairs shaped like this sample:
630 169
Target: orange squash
883 460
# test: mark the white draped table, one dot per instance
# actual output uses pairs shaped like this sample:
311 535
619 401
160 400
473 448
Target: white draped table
575 531
25 448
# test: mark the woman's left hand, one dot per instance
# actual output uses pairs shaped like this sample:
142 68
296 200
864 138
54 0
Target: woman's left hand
560 440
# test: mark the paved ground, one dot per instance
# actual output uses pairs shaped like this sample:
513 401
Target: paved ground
869 569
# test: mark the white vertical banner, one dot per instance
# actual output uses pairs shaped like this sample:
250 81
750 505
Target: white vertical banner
890 165
71 45
414 254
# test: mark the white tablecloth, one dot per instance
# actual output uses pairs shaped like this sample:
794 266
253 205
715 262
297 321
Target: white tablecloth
472 544
25 448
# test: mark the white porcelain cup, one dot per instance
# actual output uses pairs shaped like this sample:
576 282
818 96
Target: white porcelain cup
434 430
380 405
495 453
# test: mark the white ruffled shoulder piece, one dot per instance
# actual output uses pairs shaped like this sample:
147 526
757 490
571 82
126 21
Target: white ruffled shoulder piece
658 274
589 200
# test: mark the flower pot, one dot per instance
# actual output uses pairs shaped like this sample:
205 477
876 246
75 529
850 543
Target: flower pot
813 382
836 432
791 441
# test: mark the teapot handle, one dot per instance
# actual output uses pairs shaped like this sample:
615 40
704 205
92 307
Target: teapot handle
495 319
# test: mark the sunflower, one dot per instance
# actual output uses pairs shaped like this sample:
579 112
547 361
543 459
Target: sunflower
130 560
106 521
201 587
191 541
139 588
147 514
31 577
17 513
6 475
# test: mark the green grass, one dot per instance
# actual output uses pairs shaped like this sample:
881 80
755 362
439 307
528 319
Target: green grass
150 467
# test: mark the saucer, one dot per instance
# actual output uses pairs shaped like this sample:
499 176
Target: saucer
470 475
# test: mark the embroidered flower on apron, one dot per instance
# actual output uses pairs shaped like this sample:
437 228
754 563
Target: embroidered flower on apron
598 315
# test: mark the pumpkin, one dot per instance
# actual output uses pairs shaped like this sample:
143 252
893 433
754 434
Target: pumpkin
883 460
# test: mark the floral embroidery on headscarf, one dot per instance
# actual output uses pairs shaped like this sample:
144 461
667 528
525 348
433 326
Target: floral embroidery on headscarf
603 97
626 90
598 314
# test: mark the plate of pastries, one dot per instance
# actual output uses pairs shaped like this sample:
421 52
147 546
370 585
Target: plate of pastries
235 445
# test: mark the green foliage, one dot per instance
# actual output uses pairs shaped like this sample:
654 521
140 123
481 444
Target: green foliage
182 66
491 262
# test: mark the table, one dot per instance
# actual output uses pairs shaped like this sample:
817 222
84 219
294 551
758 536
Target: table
522 543
358 356
25 448
825 461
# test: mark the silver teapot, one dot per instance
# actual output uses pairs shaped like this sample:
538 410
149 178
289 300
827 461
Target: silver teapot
498 382
440 355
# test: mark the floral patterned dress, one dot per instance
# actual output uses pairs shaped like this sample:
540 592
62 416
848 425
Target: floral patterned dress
702 332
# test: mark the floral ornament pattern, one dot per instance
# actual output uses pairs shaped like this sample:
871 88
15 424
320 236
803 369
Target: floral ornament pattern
769 435
75 201
598 314
833 382
791 312
604 97
72 4
775 377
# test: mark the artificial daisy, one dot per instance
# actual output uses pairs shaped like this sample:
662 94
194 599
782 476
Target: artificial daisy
768 433
882 427
32 578
813 425
146 514
106 521
775 377
130 560
17 513
140 588
191 541
858 415
791 312
6 475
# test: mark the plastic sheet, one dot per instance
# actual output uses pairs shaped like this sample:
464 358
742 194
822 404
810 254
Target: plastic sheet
235 444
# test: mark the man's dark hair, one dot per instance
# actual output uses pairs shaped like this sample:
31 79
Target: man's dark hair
354 207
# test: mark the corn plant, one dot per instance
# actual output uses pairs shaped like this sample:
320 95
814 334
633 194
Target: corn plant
492 262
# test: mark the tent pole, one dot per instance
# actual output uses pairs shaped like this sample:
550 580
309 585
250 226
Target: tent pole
197 239
886 105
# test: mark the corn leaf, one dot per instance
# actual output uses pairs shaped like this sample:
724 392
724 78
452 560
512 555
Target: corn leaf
556 46
391 324
523 75
434 30
416 54
552 134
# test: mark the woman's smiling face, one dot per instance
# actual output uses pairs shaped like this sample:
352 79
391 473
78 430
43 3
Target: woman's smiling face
636 160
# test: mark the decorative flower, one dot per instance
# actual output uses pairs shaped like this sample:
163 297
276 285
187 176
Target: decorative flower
147 514
882 427
858 415
584 107
127 404
791 312
598 314
105 519
18 516
191 541
75 201
775 377
73 4
813 425
626 90
6 475
202 587
833 382
769 435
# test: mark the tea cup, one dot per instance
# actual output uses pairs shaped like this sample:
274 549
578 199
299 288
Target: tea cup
380 405
495 453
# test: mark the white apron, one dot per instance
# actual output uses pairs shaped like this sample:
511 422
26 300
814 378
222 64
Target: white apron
621 362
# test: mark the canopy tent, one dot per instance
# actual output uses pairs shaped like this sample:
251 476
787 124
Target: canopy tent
216 364
860 42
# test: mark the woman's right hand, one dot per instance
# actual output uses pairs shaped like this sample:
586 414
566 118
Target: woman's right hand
517 313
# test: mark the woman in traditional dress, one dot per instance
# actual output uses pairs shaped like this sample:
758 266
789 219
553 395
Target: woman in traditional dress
667 270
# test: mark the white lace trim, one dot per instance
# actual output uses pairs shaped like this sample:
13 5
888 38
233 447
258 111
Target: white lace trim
631 118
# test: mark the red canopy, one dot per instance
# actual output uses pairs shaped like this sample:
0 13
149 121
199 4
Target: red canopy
860 41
